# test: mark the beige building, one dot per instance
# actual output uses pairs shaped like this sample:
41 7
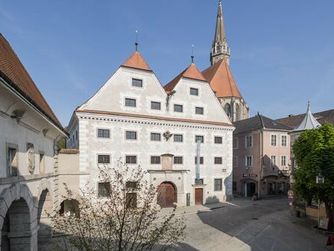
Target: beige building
261 155
219 74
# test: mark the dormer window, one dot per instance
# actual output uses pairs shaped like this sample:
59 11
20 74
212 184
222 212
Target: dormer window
137 82
130 102
194 91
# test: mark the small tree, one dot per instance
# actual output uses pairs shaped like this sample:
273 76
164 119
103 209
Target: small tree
125 215
314 152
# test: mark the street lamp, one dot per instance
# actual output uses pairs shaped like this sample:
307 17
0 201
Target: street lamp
319 179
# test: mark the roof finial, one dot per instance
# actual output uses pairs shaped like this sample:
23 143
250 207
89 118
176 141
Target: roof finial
192 53
136 43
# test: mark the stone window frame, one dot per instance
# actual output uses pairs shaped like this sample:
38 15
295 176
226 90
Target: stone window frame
285 141
131 134
102 135
9 168
155 157
218 187
137 82
199 110
127 102
155 102
178 134
178 162
273 139
220 160
248 164
152 136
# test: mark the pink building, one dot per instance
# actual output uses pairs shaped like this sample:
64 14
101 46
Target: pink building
261 149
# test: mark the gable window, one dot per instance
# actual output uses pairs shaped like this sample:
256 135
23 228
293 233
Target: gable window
273 160
103 189
273 140
131 159
178 137
284 140
130 102
218 185
248 161
155 136
155 160
131 135
155 105
103 159
199 110
178 108
12 161
103 133
283 160
201 160
194 91
218 160
199 138
218 140
249 141
178 160
137 82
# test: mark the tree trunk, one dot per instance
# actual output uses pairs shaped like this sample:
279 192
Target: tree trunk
330 215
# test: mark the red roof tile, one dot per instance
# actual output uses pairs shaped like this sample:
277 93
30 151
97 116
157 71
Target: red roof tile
13 71
192 72
137 61
221 80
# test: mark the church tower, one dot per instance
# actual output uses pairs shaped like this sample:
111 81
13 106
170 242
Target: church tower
220 49
219 74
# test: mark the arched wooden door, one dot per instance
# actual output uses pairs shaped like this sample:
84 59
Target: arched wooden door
167 194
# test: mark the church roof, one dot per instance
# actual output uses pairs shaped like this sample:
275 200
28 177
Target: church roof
221 80
137 61
14 73
191 72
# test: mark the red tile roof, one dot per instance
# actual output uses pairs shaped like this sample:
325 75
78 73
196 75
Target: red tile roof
137 61
221 80
14 73
192 72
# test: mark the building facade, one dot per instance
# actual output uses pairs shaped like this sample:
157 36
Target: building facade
133 118
29 131
219 74
261 157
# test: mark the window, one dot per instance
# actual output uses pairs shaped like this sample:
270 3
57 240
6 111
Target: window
41 163
194 91
218 160
155 136
137 82
199 181
12 161
178 108
218 140
284 140
234 184
249 141
103 189
131 135
131 159
283 160
201 160
218 185
103 159
199 110
199 138
31 157
103 133
155 160
130 102
235 142
248 161
273 160
131 185
131 200
235 161
178 138
273 140
155 105
178 160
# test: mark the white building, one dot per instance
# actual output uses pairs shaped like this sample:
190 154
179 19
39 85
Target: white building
28 134
134 118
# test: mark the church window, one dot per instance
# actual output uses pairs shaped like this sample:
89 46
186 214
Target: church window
130 102
137 82
199 110
194 91
228 110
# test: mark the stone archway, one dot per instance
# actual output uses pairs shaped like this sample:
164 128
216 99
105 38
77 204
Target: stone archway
45 208
18 222
167 194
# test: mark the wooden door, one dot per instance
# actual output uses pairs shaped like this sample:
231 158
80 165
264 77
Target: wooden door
198 196
166 195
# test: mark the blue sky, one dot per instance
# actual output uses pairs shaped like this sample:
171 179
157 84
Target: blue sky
282 51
